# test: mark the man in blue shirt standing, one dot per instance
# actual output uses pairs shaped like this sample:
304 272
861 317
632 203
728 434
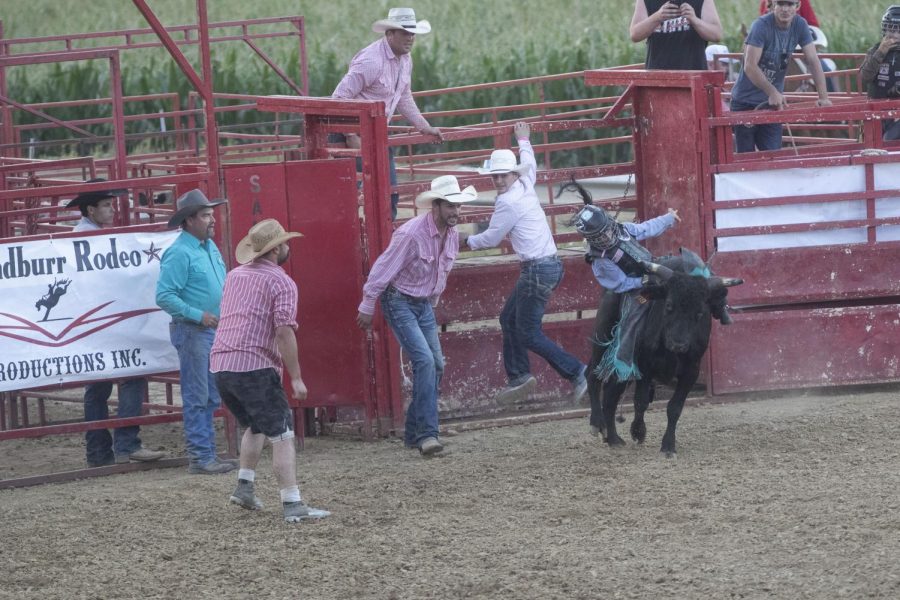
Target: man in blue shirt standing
191 279
770 43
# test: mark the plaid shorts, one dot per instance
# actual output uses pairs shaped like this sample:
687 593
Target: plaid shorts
257 400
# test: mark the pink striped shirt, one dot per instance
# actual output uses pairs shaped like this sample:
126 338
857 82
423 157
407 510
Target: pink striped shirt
258 298
416 263
376 73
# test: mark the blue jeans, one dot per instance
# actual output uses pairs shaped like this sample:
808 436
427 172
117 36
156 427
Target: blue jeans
413 323
392 175
890 129
99 444
755 137
199 396
340 138
520 321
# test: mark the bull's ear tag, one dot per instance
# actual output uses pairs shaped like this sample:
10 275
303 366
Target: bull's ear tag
586 215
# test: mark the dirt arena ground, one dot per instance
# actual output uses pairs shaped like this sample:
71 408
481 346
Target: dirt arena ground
794 497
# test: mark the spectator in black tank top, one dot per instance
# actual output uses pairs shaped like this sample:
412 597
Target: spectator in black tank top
676 32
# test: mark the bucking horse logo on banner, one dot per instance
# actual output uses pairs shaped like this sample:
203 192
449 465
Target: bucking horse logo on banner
51 298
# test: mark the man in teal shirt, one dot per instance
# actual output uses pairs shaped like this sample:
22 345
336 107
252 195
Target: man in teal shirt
191 279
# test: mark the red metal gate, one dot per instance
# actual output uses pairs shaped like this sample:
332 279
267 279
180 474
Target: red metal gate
679 137
318 199
477 287
806 316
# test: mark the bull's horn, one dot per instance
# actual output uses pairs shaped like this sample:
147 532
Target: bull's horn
664 273
724 281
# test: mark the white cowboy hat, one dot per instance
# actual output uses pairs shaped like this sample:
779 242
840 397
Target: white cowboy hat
190 204
446 187
401 18
502 161
262 237
714 49
818 37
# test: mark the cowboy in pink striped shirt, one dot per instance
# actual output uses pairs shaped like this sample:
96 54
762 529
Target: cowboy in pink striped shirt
408 278
254 339
383 71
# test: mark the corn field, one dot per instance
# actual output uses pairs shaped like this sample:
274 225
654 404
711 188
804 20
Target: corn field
470 43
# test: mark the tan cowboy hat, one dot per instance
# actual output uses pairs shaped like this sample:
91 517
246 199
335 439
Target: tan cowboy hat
189 204
401 18
502 161
446 187
262 237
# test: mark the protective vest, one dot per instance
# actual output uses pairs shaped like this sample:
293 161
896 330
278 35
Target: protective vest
887 77
627 254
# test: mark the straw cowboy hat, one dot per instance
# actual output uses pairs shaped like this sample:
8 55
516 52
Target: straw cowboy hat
91 198
502 161
262 238
401 18
446 187
190 204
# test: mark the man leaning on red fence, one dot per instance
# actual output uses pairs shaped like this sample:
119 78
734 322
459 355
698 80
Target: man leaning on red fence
769 46
383 71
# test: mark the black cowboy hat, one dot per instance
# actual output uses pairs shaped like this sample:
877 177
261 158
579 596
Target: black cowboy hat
92 198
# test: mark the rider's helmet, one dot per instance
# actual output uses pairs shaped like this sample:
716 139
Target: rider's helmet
891 20
597 227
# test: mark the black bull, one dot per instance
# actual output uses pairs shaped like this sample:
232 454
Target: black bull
671 344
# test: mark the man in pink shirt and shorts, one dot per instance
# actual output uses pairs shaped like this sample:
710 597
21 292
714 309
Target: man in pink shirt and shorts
254 340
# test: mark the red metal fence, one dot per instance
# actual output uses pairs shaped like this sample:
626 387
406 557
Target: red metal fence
812 229
669 133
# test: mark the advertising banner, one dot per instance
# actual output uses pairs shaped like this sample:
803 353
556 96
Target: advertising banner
82 308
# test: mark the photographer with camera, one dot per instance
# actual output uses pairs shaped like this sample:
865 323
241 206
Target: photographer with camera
880 71
676 32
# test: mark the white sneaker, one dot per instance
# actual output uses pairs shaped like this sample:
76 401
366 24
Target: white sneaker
579 386
516 393
294 512
430 446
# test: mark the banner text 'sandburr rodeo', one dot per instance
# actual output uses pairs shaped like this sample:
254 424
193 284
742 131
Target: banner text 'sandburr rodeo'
78 308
